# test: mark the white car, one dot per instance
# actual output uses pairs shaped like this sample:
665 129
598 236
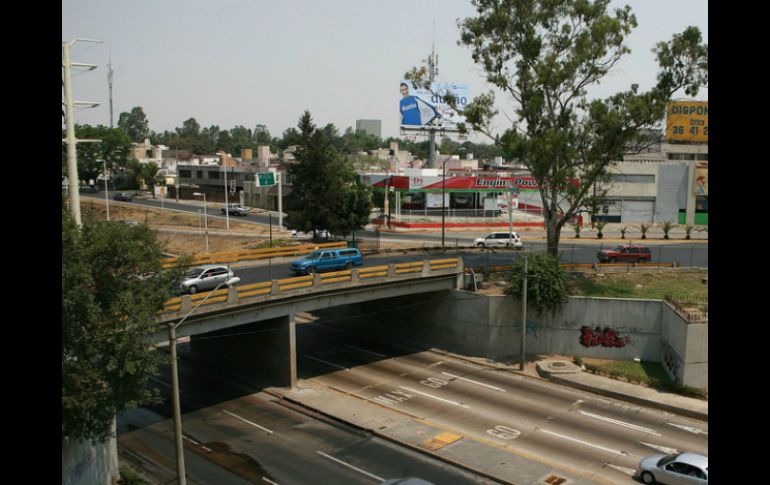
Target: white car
206 277
499 240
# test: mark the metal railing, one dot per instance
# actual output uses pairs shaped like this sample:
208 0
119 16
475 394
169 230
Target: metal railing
289 286
254 254
692 311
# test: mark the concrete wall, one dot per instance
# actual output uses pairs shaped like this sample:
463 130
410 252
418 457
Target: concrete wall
490 326
684 348
89 463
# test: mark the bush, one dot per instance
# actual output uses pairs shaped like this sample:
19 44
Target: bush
546 282
578 360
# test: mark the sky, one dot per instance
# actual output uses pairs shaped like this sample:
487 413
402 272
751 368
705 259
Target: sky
250 62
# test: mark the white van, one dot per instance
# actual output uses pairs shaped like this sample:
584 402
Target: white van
500 239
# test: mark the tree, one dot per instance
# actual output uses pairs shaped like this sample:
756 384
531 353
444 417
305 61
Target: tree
113 149
262 135
544 54
546 282
323 185
113 285
135 124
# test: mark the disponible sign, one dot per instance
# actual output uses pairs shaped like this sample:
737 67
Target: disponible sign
687 121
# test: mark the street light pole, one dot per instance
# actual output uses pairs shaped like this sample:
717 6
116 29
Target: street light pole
227 208
180 469
524 317
106 190
205 218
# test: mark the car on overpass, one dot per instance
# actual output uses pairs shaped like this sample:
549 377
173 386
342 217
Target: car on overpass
625 253
499 239
327 260
206 277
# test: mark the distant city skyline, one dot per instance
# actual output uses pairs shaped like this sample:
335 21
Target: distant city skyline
239 62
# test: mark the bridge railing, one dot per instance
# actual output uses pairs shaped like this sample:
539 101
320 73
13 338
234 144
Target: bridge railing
254 254
289 286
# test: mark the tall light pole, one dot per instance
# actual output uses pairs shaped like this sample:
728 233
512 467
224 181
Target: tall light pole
180 470
106 190
205 217
72 160
443 193
524 317
227 208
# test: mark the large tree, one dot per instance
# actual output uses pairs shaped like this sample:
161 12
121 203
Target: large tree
113 149
112 288
135 124
545 54
324 192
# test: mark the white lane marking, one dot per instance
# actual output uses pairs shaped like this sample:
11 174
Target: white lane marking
247 421
436 363
663 449
367 351
584 442
689 428
327 363
379 479
627 471
474 382
265 479
620 423
199 444
435 397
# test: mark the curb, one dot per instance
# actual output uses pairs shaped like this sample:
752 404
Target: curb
630 398
594 390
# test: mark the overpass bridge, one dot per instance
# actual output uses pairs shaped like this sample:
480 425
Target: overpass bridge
274 304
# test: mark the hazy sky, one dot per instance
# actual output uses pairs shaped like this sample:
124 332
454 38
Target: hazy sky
249 62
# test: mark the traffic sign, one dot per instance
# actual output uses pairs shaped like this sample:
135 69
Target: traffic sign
265 178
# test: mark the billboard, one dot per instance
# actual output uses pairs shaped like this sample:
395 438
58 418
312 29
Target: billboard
420 107
701 185
687 121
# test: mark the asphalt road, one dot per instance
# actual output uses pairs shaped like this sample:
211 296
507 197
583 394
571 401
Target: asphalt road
234 434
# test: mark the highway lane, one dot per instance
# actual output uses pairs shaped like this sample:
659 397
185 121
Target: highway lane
570 430
235 434
686 254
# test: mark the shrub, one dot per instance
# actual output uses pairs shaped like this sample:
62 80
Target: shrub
546 282
578 360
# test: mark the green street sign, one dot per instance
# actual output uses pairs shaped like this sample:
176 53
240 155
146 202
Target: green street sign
265 178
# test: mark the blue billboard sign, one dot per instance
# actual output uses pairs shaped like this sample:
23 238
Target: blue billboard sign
422 107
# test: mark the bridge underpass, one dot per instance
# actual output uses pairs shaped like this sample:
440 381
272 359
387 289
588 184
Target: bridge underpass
269 320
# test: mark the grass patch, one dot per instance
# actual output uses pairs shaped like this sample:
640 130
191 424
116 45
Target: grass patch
685 286
651 374
130 477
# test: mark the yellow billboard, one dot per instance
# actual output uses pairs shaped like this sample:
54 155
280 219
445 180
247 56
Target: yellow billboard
687 121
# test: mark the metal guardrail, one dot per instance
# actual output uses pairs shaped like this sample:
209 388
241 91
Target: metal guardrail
289 286
254 254
587 266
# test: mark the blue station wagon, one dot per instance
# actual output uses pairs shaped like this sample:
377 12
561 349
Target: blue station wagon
327 260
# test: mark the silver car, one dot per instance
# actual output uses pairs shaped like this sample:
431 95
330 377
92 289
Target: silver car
206 277
499 239
678 469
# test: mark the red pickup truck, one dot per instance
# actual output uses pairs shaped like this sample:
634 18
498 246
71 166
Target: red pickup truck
625 253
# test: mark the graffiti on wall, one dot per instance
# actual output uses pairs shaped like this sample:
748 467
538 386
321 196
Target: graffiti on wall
671 361
606 337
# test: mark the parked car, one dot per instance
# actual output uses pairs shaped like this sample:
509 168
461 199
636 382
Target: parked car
124 196
206 277
92 189
625 253
236 210
679 469
499 239
327 260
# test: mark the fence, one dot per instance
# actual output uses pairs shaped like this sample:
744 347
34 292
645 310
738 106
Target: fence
282 286
692 310
254 254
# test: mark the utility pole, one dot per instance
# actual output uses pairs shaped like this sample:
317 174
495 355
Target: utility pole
109 81
227 206
280 200
524 317
70 140
432 72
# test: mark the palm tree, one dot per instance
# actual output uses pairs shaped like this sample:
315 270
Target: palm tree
666 226
577 231
600 225
688 229
623 232
643 228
